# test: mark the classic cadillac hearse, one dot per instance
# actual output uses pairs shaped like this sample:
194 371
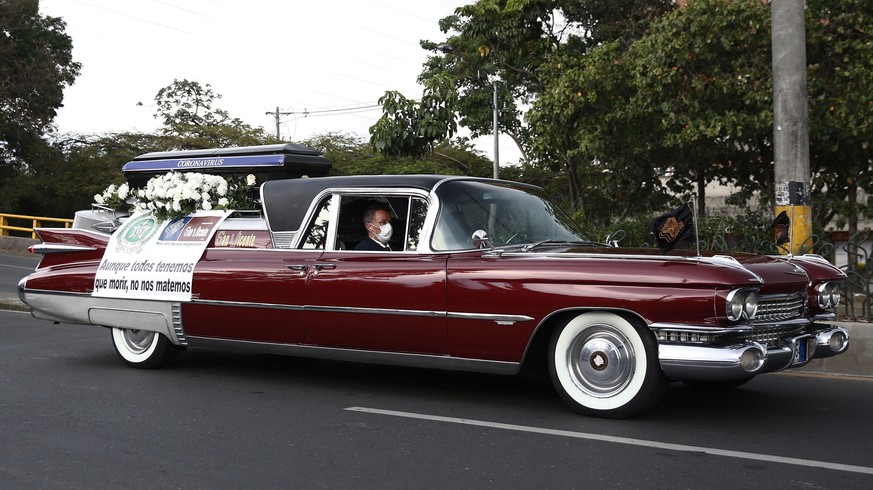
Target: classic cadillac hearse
482 275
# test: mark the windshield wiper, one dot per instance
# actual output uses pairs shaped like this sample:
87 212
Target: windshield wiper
531 246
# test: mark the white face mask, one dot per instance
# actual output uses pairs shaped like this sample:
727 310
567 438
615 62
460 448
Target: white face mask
384 234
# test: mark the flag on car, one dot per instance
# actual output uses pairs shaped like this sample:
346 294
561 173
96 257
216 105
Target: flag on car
781 227
673 228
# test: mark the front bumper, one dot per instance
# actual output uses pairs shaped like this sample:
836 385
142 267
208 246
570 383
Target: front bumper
704 362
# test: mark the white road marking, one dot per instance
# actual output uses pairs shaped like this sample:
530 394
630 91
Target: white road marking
624 440
18 267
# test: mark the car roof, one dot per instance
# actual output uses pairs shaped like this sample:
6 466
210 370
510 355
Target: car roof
286 201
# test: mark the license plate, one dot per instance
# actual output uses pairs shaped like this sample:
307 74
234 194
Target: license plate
802 351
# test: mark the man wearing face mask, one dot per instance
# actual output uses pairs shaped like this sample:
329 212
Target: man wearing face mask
377 221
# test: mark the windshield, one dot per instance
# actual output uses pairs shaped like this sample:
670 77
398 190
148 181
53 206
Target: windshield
510 216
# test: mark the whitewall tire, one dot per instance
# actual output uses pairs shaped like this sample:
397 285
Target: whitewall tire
603 365
142 348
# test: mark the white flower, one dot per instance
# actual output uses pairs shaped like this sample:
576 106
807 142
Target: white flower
223 202
123 191
250 180
206 205
98 198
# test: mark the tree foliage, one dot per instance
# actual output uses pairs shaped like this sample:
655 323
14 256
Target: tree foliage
515 44
190 116
410 128
35 65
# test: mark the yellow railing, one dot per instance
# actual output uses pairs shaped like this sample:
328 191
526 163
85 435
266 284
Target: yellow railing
35 222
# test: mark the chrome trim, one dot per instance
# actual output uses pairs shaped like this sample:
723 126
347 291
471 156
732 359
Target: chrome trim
84 309
283 239
500 319
178 330
366 356
497 318
684 362
51 248
375 311
240 304
681 327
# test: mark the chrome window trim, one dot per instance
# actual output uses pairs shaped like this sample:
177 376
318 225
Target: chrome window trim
337 193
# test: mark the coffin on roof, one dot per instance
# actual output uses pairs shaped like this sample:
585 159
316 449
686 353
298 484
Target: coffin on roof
266 162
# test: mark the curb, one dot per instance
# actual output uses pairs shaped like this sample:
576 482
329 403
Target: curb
13 304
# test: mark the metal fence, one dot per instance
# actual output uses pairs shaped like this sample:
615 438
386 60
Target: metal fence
856 292
7 223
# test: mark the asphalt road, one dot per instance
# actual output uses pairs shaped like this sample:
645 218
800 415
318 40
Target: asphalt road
73 416
12 269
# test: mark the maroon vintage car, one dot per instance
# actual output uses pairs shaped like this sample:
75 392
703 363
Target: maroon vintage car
481 275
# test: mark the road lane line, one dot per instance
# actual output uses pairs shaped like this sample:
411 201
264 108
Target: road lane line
19 267
623 440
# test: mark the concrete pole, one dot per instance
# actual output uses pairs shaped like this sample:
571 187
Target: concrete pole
791 120
496 136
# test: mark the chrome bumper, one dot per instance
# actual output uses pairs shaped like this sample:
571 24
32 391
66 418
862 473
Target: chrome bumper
81 308
688 362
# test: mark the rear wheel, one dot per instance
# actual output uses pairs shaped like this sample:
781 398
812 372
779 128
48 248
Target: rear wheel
603 365
142 348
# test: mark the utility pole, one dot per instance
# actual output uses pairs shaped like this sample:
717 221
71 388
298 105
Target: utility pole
278 114
496 136
791 119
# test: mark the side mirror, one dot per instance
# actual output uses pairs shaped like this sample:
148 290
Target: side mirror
480 239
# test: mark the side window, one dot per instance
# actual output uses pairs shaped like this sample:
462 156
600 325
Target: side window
316 233
407 220
417 213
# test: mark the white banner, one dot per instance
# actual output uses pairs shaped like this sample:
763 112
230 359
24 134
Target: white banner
149 259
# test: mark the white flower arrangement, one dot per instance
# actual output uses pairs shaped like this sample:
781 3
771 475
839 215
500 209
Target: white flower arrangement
113 197
176 194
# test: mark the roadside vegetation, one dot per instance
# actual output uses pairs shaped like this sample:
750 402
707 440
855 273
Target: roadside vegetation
621 109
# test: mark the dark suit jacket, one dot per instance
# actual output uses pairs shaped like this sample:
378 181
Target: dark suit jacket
370 244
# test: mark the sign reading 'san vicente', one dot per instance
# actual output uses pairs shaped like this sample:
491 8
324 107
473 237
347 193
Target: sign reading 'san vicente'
150 259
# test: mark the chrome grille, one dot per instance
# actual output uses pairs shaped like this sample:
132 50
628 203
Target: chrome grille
770 335
779 307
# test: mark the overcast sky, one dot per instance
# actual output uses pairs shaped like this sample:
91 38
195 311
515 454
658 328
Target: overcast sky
331 59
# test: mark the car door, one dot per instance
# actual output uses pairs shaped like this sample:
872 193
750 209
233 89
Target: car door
378 300
257 294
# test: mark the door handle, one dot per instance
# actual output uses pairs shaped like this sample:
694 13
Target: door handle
318 267
299 268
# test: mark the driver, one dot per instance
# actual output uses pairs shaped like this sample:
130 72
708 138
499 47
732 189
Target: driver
377 222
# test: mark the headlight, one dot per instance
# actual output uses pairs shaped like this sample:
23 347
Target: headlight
828 295
742 303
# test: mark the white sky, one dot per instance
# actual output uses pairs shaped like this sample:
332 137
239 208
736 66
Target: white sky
299 55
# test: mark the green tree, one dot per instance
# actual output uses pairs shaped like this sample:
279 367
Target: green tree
36 65
690 102
410 128
189 114
840 81
515 44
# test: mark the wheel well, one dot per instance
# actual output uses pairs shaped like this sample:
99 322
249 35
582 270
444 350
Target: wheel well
534 361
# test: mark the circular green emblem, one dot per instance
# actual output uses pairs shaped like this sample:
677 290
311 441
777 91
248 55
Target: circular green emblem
135 232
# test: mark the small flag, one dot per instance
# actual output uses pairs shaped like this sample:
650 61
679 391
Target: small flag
673 228
781 226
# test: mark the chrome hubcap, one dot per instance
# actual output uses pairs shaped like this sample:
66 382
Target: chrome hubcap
601 361
138 341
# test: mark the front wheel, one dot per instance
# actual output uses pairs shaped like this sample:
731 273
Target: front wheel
603 365
142 348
